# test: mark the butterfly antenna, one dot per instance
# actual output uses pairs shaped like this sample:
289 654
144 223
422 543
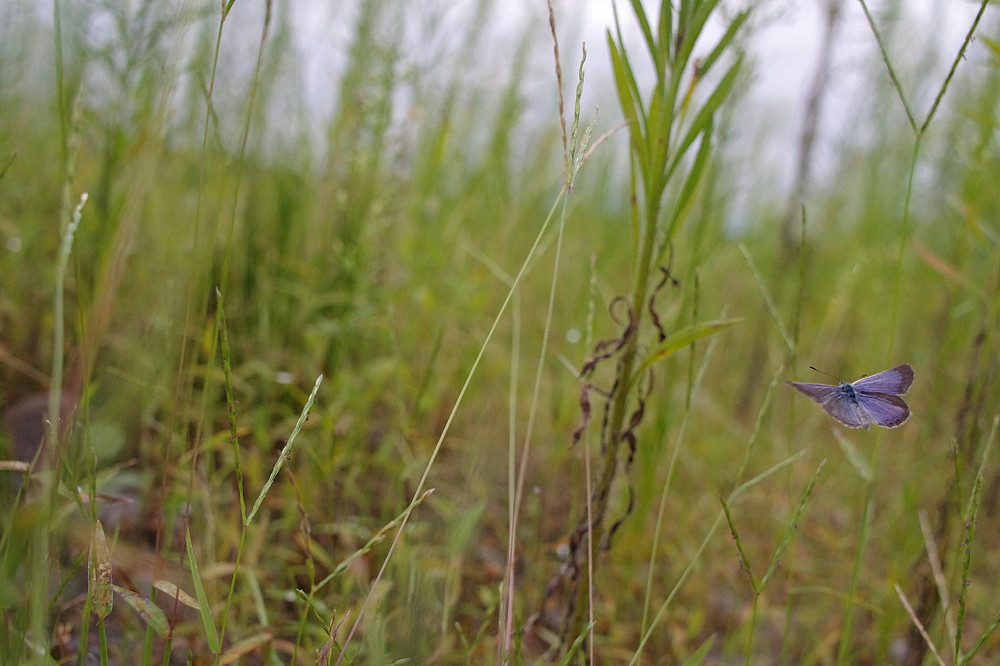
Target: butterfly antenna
812 367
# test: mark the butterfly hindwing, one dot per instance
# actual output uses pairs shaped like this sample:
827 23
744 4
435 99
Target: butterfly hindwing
884 409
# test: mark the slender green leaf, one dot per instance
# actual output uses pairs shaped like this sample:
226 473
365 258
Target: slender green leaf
204 607
665 34
771 305
627 90
744 559
686 196
854 457
647 31
990 628
683 338
991 45
703 120
698 656
724 42
742 488
692 29
573 651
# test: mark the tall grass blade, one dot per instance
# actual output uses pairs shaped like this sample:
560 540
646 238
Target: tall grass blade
204 606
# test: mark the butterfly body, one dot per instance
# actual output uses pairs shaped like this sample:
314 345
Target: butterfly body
873 399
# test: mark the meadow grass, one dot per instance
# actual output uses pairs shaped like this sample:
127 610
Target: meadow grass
426 382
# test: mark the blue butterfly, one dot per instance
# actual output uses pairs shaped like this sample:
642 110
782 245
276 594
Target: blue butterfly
873 399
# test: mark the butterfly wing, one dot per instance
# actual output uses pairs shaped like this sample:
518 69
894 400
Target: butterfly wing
884 409
894 380
836 402
821 393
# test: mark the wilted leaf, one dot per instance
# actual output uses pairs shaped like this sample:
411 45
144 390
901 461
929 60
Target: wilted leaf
244 647
174 592
146 609
99 569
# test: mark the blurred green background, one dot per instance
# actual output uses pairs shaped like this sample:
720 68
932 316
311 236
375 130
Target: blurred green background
363 220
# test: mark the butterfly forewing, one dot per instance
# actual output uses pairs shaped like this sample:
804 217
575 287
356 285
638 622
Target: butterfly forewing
894 380
818 392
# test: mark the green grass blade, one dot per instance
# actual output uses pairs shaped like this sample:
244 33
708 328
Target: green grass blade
858 461
771 305
628 99
647 31
743 487
682 338
724 42
694 178
691 28
744 558
698 656
204 607
665 34
703 120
